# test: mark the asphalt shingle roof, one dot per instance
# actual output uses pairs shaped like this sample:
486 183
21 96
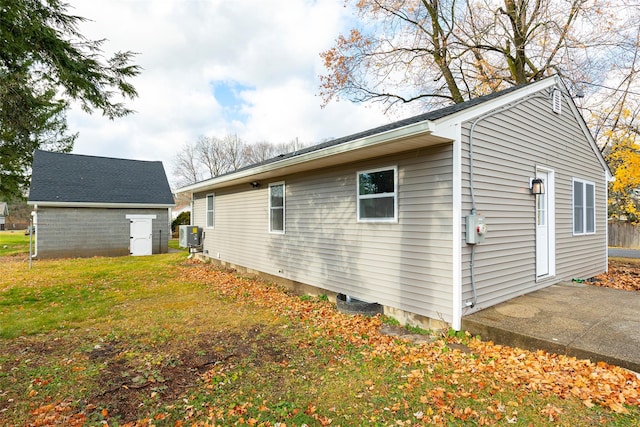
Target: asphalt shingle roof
69 178
431 115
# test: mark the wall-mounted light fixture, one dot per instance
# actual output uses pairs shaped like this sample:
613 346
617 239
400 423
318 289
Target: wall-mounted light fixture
255 184
537 186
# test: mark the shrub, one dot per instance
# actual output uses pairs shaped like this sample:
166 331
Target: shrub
183 219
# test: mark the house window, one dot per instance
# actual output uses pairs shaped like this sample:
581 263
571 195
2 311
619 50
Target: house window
584 207
210 210
276 207
378 195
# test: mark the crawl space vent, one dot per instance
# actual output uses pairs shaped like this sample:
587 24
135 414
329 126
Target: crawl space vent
557 102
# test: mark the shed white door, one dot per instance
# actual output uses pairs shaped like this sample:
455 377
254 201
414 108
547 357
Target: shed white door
141 236
545 226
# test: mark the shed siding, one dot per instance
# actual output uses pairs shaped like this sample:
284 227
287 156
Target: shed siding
405 265
507 149
85 232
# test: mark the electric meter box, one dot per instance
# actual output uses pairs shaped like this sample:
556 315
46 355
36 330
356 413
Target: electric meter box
476 229
190 236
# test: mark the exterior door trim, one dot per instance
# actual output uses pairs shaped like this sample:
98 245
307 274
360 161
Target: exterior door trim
549 177
143 245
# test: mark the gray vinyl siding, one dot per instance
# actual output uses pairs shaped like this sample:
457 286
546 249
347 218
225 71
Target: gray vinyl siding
65 232
406 265
507 149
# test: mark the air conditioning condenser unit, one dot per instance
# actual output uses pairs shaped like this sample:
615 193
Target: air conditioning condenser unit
190 236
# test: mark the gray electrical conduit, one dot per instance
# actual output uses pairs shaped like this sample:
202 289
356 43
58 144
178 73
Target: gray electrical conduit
471 190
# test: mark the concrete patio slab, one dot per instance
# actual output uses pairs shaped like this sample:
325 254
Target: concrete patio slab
584 321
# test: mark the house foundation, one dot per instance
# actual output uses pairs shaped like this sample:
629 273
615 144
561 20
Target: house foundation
298 288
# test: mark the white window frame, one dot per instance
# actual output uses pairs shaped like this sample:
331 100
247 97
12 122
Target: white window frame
212 210
359 196
584 184
272 208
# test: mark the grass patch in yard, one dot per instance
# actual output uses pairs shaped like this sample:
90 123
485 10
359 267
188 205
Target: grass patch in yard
13 243
61 294
107 333
163 341
175 245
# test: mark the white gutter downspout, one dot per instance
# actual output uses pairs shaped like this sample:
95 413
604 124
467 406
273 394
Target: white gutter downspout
473 211
456 323
34 225
191 205
169 230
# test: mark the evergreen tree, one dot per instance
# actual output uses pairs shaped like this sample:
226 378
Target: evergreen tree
45 63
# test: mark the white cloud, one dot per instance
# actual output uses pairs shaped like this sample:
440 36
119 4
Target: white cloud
269 49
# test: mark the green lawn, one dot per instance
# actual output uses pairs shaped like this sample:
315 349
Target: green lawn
161 340
174 244
13 243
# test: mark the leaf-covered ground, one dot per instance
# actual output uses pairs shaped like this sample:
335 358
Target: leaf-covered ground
192 345
623 274
484 366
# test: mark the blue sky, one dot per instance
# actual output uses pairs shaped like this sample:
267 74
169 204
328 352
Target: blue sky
215 67
229 94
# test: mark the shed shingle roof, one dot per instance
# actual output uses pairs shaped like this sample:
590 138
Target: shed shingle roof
74 178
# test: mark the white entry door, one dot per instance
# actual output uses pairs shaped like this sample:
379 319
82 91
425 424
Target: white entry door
141 236
545 226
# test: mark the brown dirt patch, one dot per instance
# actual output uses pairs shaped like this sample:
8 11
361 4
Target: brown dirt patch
128 382
129 386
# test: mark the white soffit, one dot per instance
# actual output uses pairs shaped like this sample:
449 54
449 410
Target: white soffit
410 137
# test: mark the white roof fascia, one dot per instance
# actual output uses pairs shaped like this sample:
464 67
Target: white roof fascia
529 90
488 106
365 142
586 131
98 205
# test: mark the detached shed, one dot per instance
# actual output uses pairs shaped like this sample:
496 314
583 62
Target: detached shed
87 206
4 212
438 215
